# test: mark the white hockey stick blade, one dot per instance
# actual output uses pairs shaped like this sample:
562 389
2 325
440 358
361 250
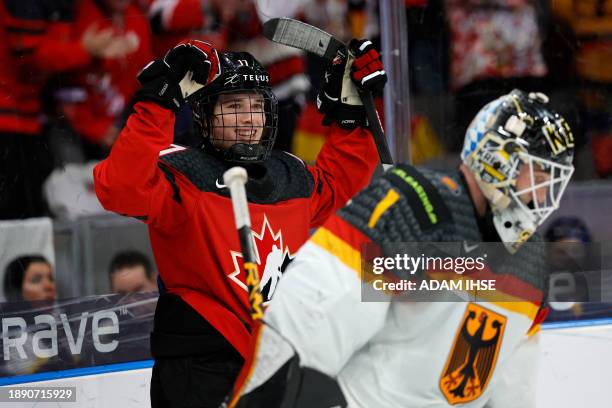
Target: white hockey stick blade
297 34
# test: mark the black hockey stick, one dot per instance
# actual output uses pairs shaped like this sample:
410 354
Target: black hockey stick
297 34
235 180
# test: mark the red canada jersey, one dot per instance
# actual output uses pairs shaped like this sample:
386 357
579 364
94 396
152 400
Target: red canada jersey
179 193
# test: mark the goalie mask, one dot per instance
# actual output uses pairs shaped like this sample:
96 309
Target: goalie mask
520 153
237 114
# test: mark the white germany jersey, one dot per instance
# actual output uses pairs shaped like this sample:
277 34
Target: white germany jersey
401 354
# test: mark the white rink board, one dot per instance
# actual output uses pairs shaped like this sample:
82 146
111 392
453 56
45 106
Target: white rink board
120 389
574 372
575 367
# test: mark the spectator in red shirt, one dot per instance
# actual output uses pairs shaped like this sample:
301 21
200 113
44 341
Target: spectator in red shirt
108 84
37 43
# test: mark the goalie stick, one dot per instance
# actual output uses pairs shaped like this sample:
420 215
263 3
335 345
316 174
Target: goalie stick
297 34
235 180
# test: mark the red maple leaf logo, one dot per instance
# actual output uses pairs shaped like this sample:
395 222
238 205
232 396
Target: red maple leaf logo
272 258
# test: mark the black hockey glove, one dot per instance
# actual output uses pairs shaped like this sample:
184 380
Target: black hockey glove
338 98
184 70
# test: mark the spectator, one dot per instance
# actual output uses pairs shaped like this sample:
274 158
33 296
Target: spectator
36 44
568 237
568 229
495 46
131 271
568 252
590 25
102 90
30 278
171 21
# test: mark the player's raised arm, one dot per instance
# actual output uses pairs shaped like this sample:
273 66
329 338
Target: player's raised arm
129 181
347 161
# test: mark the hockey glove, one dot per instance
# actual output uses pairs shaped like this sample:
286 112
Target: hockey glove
339 98
367 70
183 71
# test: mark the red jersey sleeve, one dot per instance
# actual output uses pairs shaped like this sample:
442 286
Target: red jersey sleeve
129 181
344 166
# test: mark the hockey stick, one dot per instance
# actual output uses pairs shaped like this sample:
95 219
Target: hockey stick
297 34
235 180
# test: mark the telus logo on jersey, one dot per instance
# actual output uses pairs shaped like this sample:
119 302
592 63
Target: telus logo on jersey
271 255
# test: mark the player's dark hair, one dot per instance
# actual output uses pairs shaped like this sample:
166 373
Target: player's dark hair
568 227
129 259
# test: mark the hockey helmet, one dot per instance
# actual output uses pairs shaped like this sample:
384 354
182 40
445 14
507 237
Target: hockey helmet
520 153
237 114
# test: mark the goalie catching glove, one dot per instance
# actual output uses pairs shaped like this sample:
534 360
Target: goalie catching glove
183 71
359 69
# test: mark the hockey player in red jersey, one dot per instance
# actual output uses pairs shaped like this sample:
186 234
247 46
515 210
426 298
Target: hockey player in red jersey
202 325
323 344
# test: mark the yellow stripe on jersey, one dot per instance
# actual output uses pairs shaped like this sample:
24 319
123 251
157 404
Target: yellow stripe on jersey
525 308
534 329
338 248
496 297
382 206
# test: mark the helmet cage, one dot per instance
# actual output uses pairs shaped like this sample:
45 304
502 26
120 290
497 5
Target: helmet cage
243 130
540 206
512 134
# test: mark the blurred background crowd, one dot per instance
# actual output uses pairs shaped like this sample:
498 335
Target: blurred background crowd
68 74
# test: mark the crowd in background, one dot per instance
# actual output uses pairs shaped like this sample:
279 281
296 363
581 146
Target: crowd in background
68 74
30 277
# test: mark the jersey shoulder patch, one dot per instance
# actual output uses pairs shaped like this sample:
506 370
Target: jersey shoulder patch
402 205
291 175
201 169
296 158
171 149
420 193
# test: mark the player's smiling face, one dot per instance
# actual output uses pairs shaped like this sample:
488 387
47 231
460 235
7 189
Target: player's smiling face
238 118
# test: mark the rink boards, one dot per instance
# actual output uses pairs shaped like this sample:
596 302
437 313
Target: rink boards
575 361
